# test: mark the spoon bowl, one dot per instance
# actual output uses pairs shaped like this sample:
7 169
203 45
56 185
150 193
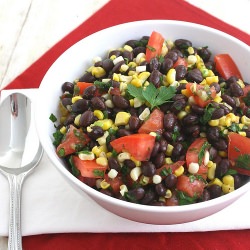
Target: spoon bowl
20 153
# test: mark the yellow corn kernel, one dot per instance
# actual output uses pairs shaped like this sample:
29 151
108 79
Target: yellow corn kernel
90 69
169 149
215 181
217 99
168 160
203 82
98 114
245 120
168 194
113 57
104 184
227 188
103 139
191 50
241 83
179 171
98 150
136 81
132 64
243 133
214 123
185 92
77 120
76 98
164 49
63 130
143 76
144 180
228 180
86 156
105 124
211 79
132 72
210 164
108 154
128 48
222 154
116 77
122 118
98 72
210 72
131 102
137 163
123 189
171 76
211 171
188 109
181 114
102 161
135 173
191 59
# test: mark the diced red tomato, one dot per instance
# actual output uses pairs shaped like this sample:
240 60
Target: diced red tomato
180 61
154 46
226 67
115 183
172 166
153 124
82 86
74 139
198 93
239 145
89 168
191 187
139 146
192 155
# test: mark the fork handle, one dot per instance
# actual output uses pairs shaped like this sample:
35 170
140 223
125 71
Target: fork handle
15 237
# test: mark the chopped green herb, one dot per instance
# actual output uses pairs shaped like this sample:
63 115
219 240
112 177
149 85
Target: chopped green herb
185 199
58 136
201 154
103 85
75 171
207 114
231 172
166 172
234 127
154 96
53 118
61 152
246 99
98 173
243 161
151 48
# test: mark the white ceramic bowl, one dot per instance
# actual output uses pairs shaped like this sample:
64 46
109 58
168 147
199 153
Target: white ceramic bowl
72 63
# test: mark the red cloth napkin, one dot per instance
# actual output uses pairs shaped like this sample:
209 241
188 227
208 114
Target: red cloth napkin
116 12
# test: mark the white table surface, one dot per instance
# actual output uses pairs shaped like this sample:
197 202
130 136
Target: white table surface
28 28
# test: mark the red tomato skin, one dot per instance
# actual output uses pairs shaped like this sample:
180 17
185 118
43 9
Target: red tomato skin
153 124
226 67
71 139
87 167
82 86
191 188
115 183
155 42
238 145
192 156
140 146
180 61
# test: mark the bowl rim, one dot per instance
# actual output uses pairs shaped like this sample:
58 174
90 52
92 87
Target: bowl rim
111 200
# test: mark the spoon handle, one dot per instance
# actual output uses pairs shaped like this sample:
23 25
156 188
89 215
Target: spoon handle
15 237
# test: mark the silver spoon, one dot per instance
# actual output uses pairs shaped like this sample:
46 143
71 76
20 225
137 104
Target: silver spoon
20 153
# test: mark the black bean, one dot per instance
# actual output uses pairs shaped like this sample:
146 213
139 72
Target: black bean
155 78
86 118
132 43
158 203
169 121
154 64
180 72
98 103
66 101
96 132
106 191
87 77
190 119
237 181
120 102
215 191
116 53
159 159
205 195
236 89
197 109
229 100
204 53
166 65
226 109
220 145
218 113
177 106
194 75
172 55
89 92
212 153
222 168
155 149
117 67
148 168
129 55
135 194
160 189
177 151
107 64
216 86
134 122
182 43
114 164
80 106
129 163
123 132
148 197
168 135
68 87
170 181
139 50
163 145
193 130
69 120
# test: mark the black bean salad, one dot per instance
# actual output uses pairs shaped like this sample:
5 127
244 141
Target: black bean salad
157 122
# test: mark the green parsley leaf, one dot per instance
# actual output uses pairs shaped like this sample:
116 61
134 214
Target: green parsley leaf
154 96
98 173
103 85
53 118
201 154
243 161
75 171
58 136
185 199
207 114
